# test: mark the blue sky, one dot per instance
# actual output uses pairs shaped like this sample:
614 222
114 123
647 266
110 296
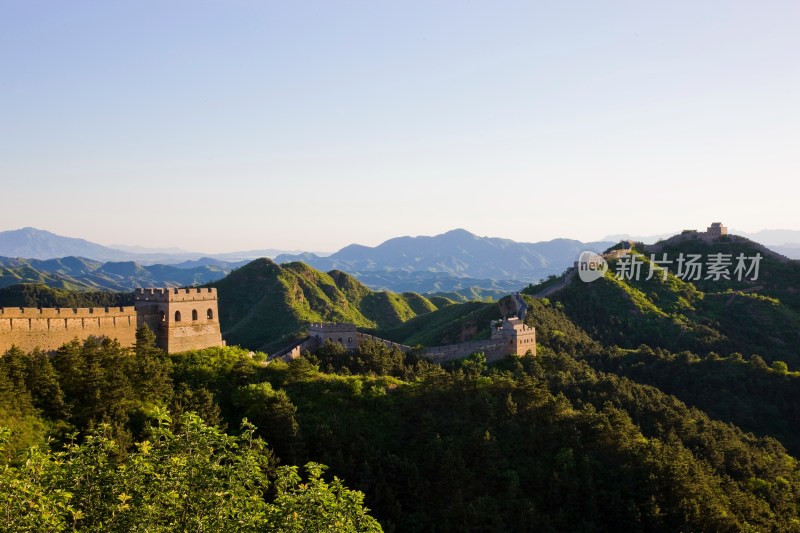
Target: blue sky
220 126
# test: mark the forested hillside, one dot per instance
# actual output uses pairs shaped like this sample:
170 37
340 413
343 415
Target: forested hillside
530 444
263 305
724 316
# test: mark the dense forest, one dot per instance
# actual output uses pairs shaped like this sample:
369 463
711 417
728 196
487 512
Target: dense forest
144 440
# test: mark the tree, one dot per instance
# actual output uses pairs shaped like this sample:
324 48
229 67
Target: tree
191 478
151 369
316 505
273 413
42 380
474 365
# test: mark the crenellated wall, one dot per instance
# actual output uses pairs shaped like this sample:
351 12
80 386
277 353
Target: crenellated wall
182 319
343 333
47 329
493 349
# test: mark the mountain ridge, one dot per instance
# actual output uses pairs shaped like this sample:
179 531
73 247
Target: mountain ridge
78 273
458 253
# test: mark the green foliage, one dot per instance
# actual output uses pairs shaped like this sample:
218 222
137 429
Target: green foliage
757 398
474 365
189 478
17 411
104 382
541 443
273 413
316 505
371 357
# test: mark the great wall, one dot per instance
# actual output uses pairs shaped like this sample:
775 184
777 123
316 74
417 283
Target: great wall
507 336
187 319
182 319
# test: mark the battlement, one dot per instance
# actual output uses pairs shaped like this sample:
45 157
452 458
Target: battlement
64 312
510 326
330 327
48 328
182 319
175 295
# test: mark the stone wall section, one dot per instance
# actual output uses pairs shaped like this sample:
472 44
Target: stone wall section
182 319
29 328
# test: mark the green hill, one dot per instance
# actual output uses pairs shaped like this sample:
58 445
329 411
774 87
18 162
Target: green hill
264 305
725 316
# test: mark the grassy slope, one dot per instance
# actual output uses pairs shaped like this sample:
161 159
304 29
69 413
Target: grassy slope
451 324
264 305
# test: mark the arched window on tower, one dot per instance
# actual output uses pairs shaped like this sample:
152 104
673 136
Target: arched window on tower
177 316
163 316
194 314
210 314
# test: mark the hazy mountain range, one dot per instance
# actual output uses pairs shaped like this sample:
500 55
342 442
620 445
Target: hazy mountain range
457 253
32 243
78 273
457 263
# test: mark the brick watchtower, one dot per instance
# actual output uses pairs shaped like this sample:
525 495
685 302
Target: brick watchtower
517 337
182 319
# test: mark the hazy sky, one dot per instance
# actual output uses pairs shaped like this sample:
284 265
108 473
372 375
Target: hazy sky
229 125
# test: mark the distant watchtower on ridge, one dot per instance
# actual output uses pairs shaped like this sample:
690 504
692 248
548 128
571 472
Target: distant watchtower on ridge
716 230
182 319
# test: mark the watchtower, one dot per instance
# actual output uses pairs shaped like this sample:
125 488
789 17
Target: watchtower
344 333
515 335
716 230
182 319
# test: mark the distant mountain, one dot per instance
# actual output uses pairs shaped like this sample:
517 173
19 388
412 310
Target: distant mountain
32 243
263 305
457 253
646 239
784 241
428 283
210 261
773 237
77 273
792 251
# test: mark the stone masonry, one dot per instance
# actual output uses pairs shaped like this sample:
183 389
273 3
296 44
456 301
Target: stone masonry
182 319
